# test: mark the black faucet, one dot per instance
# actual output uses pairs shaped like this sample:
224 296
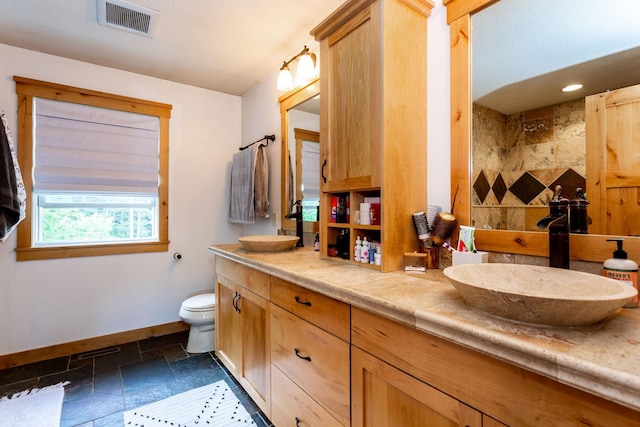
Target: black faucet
297 215
558 224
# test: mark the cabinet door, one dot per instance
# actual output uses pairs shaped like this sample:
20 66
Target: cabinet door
385 396
613 162
350 130
227 324
256 359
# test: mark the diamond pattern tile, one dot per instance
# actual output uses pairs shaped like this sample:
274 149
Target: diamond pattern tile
482 186
526 188
569 180
499 188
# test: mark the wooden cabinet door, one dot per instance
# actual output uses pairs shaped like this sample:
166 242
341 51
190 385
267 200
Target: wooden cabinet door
613 161
242 341
384 396
350 125
227 324
256 359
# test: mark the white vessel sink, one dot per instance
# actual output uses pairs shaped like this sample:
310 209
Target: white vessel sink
268 243
539 295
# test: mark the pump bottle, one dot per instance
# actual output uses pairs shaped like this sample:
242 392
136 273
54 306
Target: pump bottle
623 269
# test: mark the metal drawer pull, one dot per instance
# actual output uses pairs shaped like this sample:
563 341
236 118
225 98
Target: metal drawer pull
307 358
299 301
235 301
297 422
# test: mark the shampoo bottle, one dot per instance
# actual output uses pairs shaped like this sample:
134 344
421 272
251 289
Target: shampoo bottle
623 269
357 250
364 252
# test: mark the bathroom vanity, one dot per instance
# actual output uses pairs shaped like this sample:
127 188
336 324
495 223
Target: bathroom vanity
342 345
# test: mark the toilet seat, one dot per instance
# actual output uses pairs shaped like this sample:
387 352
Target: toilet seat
202 302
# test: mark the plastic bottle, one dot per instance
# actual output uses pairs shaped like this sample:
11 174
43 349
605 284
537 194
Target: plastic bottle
364 252
357 250
378 256
623 269
316 243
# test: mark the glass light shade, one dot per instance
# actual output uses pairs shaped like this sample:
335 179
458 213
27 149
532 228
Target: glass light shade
305 71
285 80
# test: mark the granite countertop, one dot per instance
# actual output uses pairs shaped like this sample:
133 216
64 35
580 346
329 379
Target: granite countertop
602 359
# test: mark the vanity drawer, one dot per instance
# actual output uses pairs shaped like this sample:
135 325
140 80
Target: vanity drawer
290 404
315 360
256 281
325 312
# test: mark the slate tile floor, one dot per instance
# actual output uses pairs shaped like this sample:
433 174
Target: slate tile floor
108 382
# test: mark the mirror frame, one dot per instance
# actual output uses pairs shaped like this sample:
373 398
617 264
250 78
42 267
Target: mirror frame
585 247
287 102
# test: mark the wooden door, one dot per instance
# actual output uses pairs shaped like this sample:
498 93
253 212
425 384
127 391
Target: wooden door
227 324
613 161
256 357
383 396
350 125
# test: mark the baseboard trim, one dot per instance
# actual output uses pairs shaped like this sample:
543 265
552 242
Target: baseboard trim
81 346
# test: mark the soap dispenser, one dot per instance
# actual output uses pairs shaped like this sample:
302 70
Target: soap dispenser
623 269
578 218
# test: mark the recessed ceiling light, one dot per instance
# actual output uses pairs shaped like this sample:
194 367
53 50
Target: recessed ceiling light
571 88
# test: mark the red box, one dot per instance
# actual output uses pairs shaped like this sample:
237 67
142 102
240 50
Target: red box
375 213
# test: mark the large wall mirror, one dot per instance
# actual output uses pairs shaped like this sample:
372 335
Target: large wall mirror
300 179
515 134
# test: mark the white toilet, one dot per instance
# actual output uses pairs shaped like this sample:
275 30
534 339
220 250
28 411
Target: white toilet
199 311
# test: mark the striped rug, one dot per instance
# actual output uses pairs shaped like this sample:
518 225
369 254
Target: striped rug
211 405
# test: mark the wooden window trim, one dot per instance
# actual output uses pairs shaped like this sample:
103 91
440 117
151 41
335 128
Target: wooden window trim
26 90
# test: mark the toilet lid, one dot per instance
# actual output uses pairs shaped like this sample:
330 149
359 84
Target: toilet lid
200 302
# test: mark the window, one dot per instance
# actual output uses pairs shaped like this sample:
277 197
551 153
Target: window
96 169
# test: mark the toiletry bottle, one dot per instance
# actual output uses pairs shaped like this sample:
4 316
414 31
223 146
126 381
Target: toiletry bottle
378 256
364 252
372 252
316 243
623 269
357 250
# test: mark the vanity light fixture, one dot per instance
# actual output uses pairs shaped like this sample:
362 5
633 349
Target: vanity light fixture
572 87
305 72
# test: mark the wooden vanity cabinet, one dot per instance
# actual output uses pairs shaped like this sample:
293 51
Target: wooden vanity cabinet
396 366
373 118
310 363
242 327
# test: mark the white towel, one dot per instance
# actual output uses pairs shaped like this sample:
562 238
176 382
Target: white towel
249 186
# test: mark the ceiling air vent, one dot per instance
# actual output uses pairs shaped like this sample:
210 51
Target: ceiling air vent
126 16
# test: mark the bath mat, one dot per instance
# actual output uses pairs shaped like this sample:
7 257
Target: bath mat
36 407
211 405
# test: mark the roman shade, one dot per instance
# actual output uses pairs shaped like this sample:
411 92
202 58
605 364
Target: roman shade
92 149
311 170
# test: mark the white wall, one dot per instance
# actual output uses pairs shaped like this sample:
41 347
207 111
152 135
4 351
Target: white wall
43 303
260 117
438 114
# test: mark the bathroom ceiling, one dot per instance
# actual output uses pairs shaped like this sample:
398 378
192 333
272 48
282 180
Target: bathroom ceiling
231 45
223 45
525 51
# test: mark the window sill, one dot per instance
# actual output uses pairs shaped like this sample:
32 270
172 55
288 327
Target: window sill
31 254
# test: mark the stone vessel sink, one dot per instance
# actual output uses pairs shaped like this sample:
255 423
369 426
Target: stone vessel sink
539 295
268 243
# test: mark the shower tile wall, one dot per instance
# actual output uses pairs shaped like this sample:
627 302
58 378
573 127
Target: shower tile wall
520 158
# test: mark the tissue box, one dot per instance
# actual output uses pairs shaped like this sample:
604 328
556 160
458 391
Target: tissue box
460 258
